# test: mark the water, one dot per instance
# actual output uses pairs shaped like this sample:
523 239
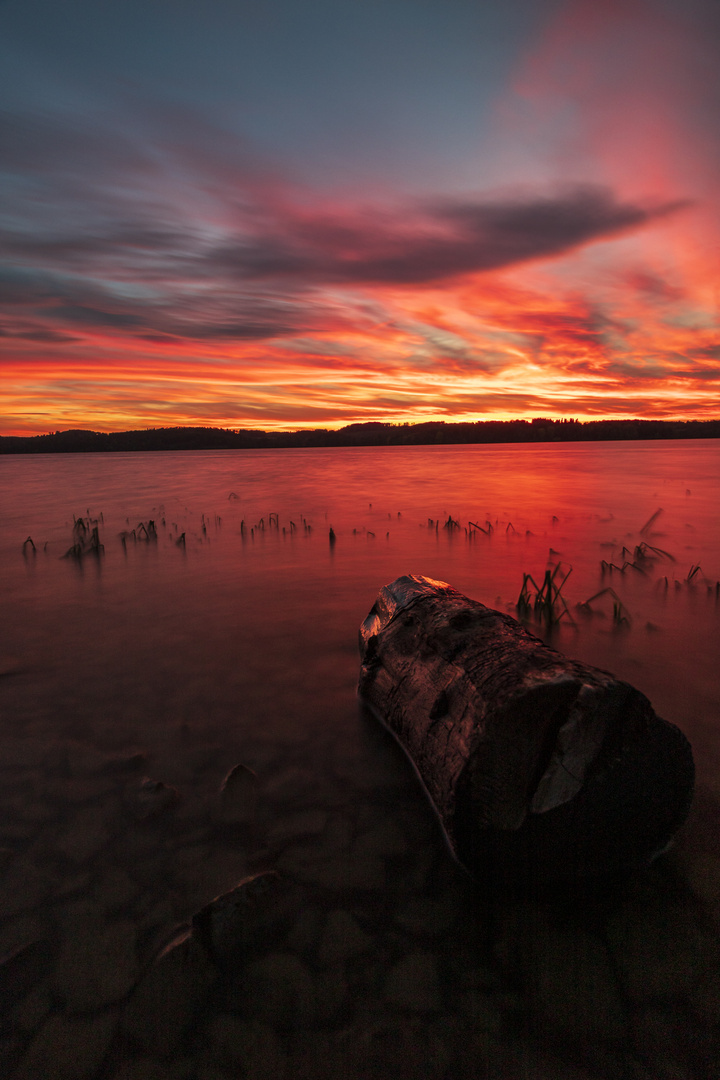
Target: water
178 660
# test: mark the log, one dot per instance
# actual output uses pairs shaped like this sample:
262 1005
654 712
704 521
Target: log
535 763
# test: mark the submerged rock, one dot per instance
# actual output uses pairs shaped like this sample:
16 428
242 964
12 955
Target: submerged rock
20 969
250 916
342 938
280 990
412 983
97 959
236 1042
85 836
238 797
147 798
164 1003
534 762
67 1048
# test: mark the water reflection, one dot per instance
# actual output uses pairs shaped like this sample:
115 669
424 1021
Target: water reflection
178 661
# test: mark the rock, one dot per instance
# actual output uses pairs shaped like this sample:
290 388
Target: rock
24 753
444 1034
574 986
332 990
22 931
471 969
412 983
338 835
333 861
312 865
78 789
250 916
75 884
83 760
189 857
658 1037
97 960
304 935
67 1048
238 797
418 875
279 989
424 917
658 951
21 969
156 920
142 1068
516 927
532 1060
209 1072
85 836
208 872
114 889
247 1045
342 938
10 665
387 839
12 1046
537 765
703 876
126 763
391 1047
164 1003
29 1013
484 1010
305 823
705 1008
288 784
25 886
147 798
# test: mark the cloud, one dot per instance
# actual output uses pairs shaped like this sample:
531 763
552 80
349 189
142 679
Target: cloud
707 352
164 194
80 315
268 277
448 240
153 252
174 311
54 336
654 288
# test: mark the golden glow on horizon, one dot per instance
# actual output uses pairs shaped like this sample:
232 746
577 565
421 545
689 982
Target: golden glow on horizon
474 353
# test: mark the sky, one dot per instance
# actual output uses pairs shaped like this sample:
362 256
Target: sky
282 215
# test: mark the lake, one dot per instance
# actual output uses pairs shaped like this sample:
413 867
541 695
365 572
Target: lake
218 627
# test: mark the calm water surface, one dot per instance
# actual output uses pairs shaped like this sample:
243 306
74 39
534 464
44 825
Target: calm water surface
253 625
240 643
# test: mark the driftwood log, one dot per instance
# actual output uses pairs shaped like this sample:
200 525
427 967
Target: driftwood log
535 763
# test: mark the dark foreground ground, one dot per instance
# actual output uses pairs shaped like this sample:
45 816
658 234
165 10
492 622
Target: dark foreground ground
371 955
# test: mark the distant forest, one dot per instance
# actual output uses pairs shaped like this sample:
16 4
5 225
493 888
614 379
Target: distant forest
370 434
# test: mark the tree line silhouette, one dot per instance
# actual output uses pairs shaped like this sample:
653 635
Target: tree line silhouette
374 433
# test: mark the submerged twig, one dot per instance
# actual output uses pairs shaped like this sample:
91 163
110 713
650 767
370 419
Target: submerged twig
651 521
547 603
621 615
86 535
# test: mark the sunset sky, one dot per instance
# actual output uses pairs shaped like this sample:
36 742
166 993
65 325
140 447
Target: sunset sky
306 213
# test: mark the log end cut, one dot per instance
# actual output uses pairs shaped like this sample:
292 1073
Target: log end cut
534 762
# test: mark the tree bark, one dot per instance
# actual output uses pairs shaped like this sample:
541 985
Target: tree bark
534 762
